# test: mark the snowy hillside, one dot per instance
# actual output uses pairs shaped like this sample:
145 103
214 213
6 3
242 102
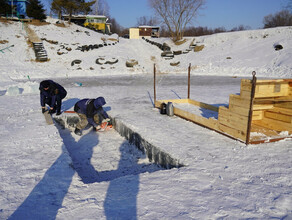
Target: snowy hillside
231 54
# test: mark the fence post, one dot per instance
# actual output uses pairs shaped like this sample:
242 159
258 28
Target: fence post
154 84
252 94
189 79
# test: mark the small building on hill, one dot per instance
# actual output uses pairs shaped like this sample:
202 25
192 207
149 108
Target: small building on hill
134 33
98 23
144 31
95 22
77 19
19 7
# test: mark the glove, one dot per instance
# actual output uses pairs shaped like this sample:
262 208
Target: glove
106 120
51 111
109 121
43 110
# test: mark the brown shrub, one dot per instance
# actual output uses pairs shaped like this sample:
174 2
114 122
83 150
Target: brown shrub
3 41
180 42
60 25
38 22
199 48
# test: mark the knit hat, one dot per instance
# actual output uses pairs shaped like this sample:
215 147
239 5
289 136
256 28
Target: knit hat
45 84
98 102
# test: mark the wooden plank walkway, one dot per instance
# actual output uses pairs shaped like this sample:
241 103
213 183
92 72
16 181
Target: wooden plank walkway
39 49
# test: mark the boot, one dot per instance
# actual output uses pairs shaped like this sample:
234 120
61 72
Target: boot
78 132
58 109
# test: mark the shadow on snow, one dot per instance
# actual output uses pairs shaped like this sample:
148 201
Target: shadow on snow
47 197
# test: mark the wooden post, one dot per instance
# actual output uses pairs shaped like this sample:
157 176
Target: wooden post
254 79
189 81
154 85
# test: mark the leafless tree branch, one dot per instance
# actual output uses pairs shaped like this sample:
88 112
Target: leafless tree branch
176 14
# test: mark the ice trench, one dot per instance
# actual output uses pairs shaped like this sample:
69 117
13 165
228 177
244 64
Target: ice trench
117 157
95 158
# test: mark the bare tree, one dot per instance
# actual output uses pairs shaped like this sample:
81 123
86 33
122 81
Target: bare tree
48 10
116 27
101 8
57 7
176 14
282 18
241 28
71 7
144 20
289 5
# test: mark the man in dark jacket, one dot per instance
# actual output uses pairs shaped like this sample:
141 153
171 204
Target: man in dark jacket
51 93
90 112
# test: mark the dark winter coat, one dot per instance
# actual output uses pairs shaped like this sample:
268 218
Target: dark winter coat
54 92
91 107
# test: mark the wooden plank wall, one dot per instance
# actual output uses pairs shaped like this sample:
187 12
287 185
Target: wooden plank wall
274 98
271 109
234 119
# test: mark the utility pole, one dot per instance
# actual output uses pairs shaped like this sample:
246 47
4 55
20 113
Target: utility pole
96 7
11 8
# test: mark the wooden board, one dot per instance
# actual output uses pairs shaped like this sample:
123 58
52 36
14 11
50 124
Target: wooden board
264 135
245 85
190 101
159 102
283 111
48 118
210 123
203 105
268 132
270 100
239 110
232 120
274 124
272 90
266 88
232 132
257 115
284 105
239 100
278 117
266 81
262 106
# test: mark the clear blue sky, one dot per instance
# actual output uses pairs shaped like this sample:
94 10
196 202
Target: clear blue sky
216 13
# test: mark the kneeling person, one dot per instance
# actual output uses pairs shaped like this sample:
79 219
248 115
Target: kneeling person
90 112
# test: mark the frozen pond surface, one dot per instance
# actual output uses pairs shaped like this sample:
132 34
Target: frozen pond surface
57 174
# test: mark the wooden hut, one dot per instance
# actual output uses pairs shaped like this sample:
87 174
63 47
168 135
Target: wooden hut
144 31
19 7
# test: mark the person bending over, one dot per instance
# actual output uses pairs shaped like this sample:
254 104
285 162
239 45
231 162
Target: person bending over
51 93
90 111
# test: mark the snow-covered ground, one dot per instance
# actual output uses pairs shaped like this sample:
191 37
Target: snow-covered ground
47 172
